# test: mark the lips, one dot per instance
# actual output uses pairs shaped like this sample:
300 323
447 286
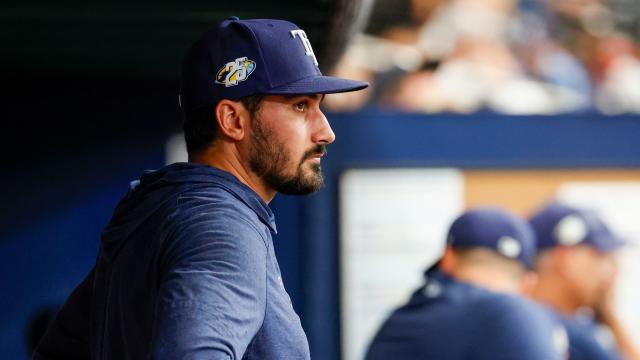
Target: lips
316 153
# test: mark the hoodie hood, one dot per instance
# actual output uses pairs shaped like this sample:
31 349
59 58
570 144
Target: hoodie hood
157 187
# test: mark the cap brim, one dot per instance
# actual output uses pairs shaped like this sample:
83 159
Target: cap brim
610 244
318 85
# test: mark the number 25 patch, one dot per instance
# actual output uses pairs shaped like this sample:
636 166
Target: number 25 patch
235 71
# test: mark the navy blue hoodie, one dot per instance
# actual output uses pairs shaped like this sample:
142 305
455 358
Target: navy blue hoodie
186 270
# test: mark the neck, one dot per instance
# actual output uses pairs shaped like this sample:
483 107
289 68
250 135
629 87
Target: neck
226 157
486 277
554 293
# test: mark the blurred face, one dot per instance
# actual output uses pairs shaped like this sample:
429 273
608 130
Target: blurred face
590 274
288 139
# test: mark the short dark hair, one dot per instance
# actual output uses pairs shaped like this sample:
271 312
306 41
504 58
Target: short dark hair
477 254
200 125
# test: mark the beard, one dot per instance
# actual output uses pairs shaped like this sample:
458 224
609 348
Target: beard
269 159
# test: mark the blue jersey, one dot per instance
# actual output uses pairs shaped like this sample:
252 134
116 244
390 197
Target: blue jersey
589 340
451 320
186 270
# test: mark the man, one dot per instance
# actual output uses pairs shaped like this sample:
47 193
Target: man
186 268
576 271
469 306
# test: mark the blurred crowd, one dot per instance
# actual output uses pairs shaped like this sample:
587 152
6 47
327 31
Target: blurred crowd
508 56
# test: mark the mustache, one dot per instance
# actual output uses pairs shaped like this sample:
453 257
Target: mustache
316 150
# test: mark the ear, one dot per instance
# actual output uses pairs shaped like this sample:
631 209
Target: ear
528 283
232 118
448 260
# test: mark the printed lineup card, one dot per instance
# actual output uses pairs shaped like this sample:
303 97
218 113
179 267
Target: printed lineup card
393 225
619 205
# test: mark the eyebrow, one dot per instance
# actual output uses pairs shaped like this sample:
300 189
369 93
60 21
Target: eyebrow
311 96
319 97
314 97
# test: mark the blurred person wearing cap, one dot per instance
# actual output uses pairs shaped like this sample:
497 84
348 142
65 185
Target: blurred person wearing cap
186 267
470 305
576 269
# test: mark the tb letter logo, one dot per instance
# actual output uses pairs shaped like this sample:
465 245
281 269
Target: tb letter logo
305 42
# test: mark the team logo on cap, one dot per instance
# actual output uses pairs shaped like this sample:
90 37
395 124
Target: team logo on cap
234 72
509 247
308 50
571 230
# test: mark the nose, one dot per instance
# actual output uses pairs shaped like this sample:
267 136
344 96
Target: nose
322 134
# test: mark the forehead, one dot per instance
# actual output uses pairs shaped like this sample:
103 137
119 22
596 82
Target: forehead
593 252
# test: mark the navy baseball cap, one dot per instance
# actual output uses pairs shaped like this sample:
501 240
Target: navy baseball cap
240 58
496 229
557 224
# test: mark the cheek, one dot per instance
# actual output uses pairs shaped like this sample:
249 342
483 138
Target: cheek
585 288
606 271
583 274
594 277
291 148
297 143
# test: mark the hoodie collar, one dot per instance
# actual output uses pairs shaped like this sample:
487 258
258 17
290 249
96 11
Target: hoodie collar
183 172
249 197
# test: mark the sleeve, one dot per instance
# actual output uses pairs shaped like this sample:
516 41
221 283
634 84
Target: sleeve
519 330
212 294
68 336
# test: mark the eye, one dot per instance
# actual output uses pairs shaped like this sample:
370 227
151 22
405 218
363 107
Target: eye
301 106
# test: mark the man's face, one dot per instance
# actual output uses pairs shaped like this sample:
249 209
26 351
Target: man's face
590 273
288 138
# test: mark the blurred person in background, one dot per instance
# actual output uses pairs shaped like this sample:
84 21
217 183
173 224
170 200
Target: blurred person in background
477 69
470 305
576 269
548 60
596 31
